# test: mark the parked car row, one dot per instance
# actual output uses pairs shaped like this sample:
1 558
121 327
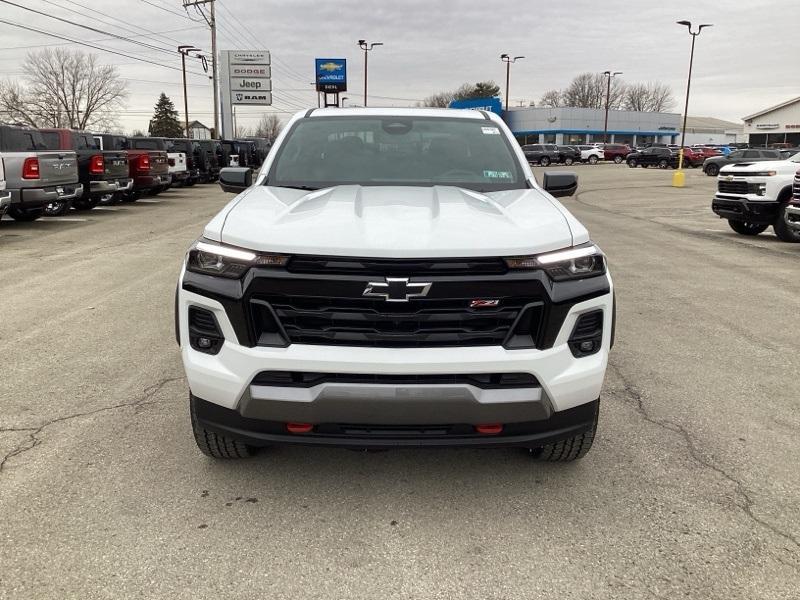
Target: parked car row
753 195
546 154
49 171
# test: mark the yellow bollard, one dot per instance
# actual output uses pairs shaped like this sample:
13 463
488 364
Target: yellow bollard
679 177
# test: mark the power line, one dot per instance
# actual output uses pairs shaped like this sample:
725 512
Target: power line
61 37
113 18
114 35
89 41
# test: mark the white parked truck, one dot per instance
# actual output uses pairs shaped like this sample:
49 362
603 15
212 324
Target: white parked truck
754 195
395 278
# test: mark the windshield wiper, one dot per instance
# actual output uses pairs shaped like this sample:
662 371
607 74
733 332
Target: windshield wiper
297 187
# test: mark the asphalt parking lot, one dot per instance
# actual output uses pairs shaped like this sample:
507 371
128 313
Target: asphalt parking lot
691 489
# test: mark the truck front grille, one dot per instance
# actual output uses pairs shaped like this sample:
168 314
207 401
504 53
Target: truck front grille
425 322
733 187
796 187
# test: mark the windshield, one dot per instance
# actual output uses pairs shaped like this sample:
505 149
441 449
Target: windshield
396 150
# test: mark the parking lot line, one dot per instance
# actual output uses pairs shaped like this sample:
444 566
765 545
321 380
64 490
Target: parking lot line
71 219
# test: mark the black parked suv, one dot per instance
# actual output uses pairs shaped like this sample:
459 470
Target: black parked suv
208 160
191 148
541 154
568 154
654 156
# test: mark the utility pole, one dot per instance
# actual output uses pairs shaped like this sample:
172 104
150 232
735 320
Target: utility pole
678 178
184 50
608 75
508 60
212 23
366 47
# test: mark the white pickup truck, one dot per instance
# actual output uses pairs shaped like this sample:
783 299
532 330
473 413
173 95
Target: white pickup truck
395 278
754 195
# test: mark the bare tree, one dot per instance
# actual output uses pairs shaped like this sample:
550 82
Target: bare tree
550 99
269 126
588 90
64 88
440 100
648 97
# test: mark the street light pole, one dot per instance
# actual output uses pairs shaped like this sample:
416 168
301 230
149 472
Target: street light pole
679 179
184 50
608 75
366 47
508 60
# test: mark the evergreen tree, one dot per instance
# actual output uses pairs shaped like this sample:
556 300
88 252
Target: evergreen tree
165 121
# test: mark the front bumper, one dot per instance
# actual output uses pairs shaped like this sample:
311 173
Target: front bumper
110 186
530 434
225 379
793 216
744 209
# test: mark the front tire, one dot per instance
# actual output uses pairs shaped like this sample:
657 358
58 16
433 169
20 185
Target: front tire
569 160
569 449
632 163
593 160
663 164
747 228
214 444
544 161
782 230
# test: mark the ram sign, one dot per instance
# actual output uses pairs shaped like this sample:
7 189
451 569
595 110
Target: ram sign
331 74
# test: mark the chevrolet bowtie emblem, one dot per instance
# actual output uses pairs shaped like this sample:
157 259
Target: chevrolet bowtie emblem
396 289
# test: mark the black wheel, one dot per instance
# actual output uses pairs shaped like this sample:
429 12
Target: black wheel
593 160
107 199
782 230
85 203
746 227
632 163
712 170
568 160
57 208
571 448
214 444
21 214
618 159
663 163
131 196
544 161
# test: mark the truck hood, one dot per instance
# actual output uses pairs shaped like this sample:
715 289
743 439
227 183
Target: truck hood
396 222
763 165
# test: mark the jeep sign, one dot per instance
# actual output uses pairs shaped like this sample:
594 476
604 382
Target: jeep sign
249 84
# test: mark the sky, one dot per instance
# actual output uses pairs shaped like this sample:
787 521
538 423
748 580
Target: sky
744 63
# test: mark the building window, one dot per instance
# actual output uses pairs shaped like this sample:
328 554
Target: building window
574 138
549 138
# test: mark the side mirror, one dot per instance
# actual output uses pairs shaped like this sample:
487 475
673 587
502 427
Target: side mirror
560 183
235 179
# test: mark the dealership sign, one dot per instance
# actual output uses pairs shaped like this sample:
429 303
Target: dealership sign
245 79
331 74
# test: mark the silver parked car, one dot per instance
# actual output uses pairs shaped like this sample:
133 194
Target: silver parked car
35 177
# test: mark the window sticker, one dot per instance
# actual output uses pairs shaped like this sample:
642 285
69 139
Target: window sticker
497 174
490 131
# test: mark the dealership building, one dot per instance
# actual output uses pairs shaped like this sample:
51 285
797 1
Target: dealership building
565 125
776 124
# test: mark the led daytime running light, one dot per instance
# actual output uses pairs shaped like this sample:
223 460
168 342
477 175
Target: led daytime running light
562 255
226 251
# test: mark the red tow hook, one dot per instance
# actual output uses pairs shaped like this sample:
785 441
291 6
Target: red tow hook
489 428
299 427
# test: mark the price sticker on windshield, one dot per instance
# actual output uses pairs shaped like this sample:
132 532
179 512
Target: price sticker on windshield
497 175
490 131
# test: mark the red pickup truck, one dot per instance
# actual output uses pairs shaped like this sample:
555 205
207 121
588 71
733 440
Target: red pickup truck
147 164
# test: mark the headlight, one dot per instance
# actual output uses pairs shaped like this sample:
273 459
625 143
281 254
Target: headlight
764 174
210 258
573 263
